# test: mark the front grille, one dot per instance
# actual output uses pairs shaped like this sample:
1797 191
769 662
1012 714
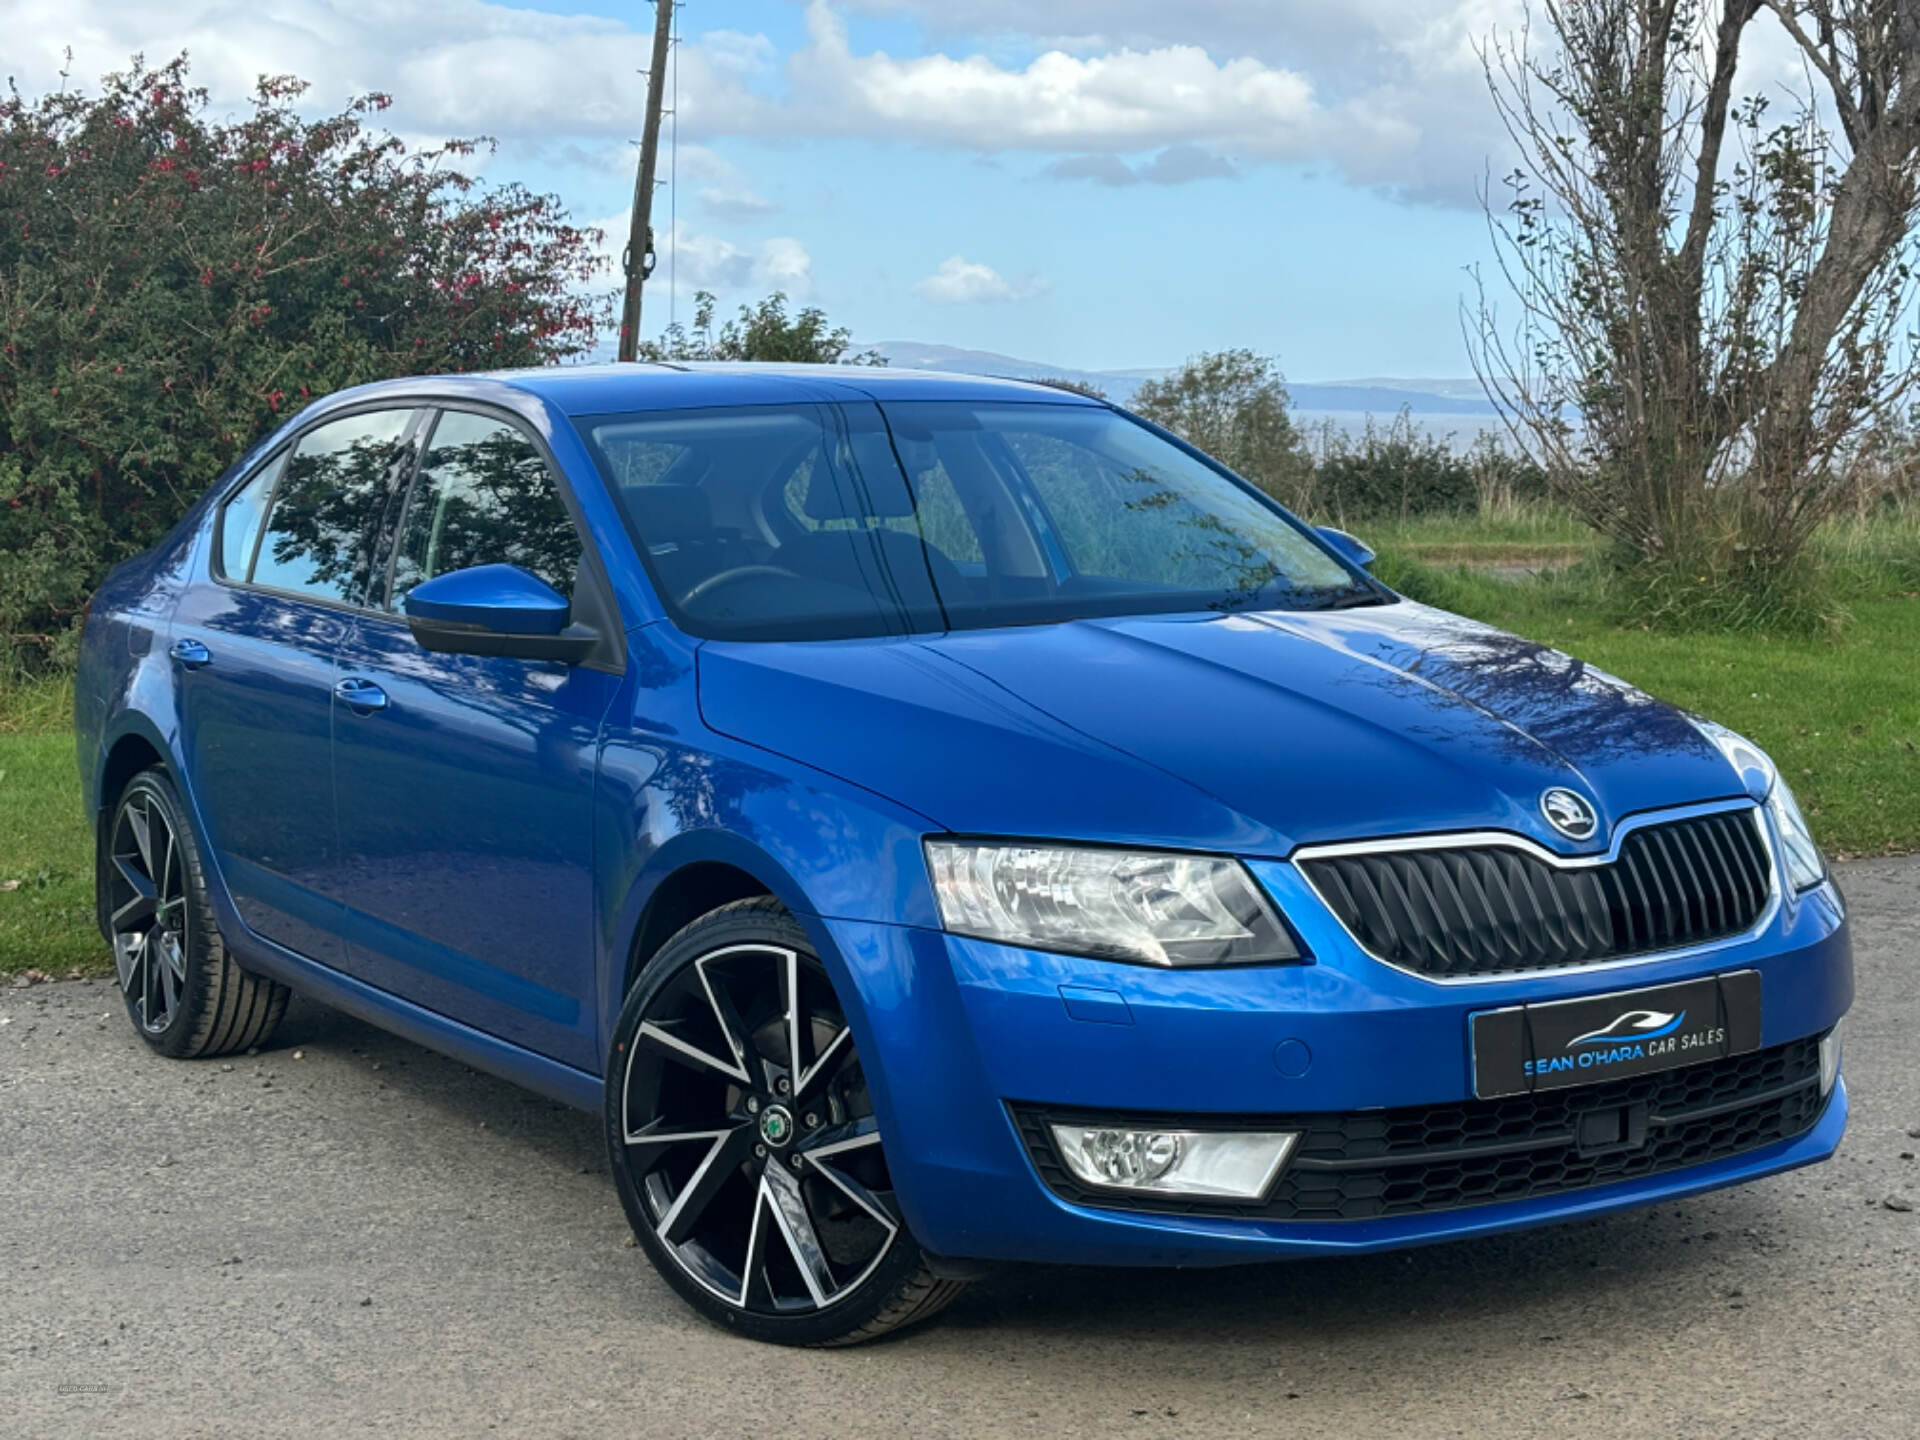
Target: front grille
1488 910
1367 1164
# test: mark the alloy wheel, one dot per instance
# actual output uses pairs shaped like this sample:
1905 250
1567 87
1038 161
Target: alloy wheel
147 898
749 1137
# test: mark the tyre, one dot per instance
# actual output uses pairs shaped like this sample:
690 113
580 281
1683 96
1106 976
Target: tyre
184 992
744 1144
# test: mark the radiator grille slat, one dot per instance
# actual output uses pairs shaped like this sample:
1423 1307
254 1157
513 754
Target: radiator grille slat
1488 910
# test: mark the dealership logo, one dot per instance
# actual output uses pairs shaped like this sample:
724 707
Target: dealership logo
1634 1025
1570 814
1633 1035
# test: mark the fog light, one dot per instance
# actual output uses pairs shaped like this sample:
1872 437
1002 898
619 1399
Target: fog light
1829 1060
1235 1165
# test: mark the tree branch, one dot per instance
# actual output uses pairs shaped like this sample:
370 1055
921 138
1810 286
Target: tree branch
1843 99
1713 133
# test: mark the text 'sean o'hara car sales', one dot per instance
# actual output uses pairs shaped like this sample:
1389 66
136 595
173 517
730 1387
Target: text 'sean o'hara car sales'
939 821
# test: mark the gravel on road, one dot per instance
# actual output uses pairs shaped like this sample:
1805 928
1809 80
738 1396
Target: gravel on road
346 1234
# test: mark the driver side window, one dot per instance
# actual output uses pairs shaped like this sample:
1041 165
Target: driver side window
484 496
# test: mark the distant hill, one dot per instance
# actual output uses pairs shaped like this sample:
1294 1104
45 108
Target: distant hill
1443 405
951 359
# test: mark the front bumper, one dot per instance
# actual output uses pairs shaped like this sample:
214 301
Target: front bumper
959 1029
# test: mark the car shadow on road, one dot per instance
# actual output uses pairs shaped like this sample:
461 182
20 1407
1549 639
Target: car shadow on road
1544 1272
556 1133
1528 1284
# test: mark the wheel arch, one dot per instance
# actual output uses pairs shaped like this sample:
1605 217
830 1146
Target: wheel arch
128 756
133 750
691 875
680 898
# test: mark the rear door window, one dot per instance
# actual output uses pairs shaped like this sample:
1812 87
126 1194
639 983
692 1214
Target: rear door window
484 496
332 494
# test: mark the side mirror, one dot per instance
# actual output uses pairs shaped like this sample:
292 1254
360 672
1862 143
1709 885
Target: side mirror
1355 550
498 610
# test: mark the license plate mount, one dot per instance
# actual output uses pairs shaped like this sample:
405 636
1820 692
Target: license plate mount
1556 1044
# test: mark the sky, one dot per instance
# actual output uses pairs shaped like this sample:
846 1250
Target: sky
1099 184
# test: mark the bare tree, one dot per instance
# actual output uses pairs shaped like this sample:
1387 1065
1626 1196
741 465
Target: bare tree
1711 286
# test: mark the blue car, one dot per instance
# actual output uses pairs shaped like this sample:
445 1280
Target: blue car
938 821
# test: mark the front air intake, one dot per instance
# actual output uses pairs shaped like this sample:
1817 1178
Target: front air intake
1491 909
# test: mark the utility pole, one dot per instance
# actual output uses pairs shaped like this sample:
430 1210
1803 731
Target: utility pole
638 261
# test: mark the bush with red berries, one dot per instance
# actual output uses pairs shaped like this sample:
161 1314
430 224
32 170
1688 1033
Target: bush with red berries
173 283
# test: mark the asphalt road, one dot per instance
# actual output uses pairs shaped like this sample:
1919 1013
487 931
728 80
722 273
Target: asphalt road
349 1235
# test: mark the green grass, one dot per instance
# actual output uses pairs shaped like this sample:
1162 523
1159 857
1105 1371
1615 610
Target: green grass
1520 526
46 854
1873 558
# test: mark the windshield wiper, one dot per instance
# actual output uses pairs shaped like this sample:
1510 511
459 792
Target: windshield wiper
1354 601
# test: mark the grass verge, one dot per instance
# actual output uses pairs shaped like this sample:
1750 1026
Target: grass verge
46 854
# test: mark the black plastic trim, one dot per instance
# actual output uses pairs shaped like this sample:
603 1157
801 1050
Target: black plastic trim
1373 1164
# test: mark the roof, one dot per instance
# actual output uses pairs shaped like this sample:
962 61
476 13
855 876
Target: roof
610 389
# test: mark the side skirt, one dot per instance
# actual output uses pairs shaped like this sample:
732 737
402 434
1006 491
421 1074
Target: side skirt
411 1022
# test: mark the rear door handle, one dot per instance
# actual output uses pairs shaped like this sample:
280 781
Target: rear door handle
190 654
359 695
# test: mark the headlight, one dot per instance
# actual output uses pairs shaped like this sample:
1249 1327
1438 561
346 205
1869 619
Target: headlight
1134 905
1806 867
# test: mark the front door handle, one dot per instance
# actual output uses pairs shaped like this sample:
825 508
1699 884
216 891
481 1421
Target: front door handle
190 654
361 696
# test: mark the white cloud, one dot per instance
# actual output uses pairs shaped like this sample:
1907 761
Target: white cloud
1126 100
784 264
693 260
1387 91
1175 165
727 196
453 66
1346 46
701 162
960 281
1399 97
739 205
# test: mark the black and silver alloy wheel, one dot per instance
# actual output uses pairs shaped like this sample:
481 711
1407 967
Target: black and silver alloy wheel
745 1145
147 909
186 994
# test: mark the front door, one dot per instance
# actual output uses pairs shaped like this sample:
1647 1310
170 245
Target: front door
464 784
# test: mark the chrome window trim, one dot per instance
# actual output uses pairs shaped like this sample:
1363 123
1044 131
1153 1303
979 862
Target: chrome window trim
1508 840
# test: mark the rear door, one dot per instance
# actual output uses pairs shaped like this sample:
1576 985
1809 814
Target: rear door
465 783
255 650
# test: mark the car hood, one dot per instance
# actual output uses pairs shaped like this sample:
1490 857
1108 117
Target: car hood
1252 733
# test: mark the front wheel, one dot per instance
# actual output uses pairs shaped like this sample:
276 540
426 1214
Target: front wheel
744 1143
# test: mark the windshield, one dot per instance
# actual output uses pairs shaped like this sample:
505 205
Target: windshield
837 521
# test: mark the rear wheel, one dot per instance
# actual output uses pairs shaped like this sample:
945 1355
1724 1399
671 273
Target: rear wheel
744 1143
184 992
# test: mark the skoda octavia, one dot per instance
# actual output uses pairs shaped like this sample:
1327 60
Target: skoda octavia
938 821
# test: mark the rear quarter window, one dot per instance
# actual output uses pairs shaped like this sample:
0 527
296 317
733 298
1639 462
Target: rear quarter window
240 519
